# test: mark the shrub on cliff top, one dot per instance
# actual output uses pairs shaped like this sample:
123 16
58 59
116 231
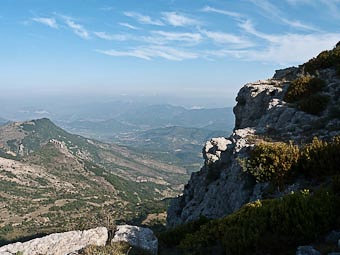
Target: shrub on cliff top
271 225
304 91
303 87
274 162
326 59
271 161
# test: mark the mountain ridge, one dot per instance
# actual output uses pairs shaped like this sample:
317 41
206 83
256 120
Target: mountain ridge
49 176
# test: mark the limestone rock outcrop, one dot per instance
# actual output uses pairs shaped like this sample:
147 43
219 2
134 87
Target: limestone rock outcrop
221 187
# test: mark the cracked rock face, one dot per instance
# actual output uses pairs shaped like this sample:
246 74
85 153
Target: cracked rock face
221 187
59 243
211 191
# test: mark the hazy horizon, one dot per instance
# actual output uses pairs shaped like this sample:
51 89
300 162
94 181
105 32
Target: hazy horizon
185 49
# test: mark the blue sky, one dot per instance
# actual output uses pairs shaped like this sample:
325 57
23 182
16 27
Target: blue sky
177 47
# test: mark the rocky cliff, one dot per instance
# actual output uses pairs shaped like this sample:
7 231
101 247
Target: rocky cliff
221 186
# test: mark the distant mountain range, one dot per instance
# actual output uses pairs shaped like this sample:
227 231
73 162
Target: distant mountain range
151 117
169 133
48 175
3 121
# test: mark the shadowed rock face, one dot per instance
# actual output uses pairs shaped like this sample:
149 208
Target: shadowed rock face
221 187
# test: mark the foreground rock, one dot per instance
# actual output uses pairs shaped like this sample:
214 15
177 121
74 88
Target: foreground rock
59 244
142 238
74 241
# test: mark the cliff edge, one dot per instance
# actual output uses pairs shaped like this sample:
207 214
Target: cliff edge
265 110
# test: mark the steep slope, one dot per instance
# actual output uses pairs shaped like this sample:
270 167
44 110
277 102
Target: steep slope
296 105
54 180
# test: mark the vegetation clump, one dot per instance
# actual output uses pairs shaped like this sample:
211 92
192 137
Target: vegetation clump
326 59
320 158
303 87
275 162
314 104
268 226
271 161
174 236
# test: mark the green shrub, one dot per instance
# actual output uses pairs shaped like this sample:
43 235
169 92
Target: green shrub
314 104
320 158
271 225
302 88
174 236
271 161
325 59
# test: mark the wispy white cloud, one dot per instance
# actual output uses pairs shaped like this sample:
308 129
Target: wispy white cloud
273 12
224 12
144 19
285 49
124 24
179 20
248 27
51 22
227 38
151 52
175 36
76 28
296 2
111 37
299 24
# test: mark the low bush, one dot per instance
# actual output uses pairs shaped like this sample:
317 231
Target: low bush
320 158
174 236
270 226
314 104
271 161
302 88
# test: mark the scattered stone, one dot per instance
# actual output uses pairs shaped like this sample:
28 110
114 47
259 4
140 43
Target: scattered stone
138 237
